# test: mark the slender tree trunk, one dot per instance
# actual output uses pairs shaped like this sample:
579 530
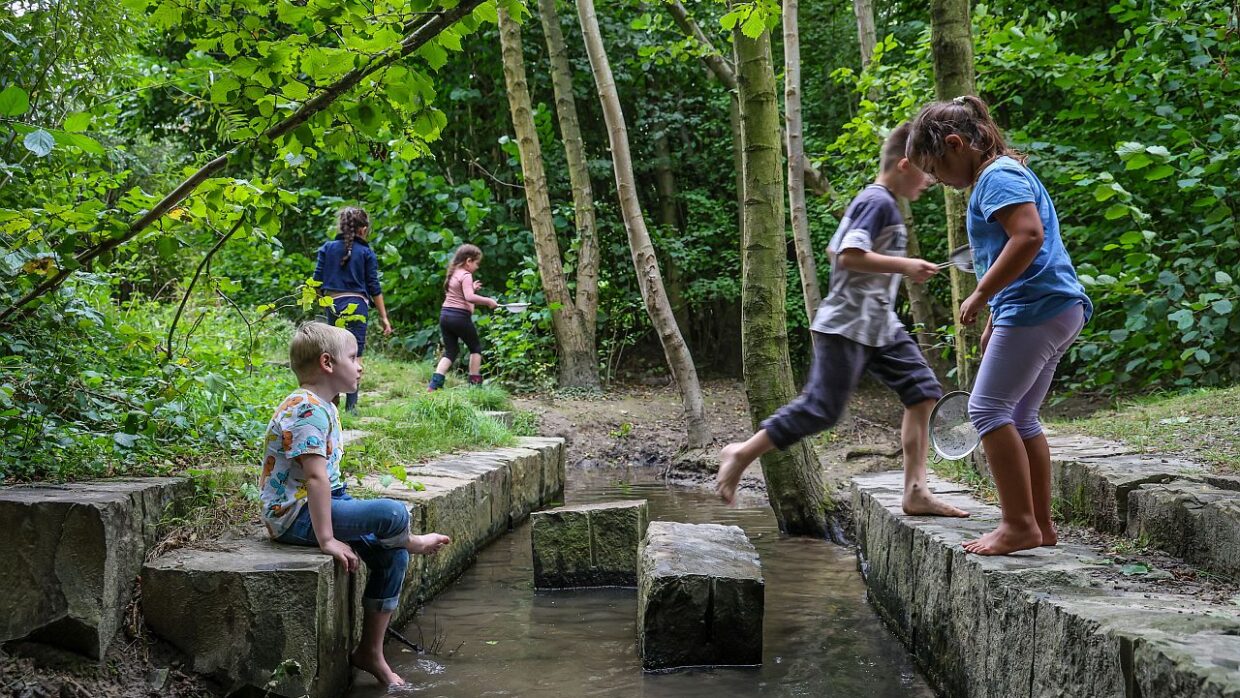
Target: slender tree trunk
951 42
866 36
578 364
919 299
644 261
669 219
796 162
583 192
722 70
794 482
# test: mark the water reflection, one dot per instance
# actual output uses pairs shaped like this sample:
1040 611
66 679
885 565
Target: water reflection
820 637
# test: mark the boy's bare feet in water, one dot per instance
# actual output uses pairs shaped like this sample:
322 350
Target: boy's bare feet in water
428 544
918 501
376 666
731 467
1005 539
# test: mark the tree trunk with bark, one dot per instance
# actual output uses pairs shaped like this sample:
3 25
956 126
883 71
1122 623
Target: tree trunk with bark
920 302
867 37
951 42
794 481
578 365
679 360
796 162
669 219
579 178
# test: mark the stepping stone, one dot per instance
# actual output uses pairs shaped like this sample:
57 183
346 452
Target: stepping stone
241 611
588 545
1042 622
1195 521
699 597
72 554
503 417
1091 479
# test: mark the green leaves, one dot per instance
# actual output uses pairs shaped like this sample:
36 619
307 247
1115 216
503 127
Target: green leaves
13 101
39 142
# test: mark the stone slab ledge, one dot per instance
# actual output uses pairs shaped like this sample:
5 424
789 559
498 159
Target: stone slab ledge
1045 622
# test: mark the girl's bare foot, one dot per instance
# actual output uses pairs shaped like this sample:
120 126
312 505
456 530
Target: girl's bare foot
1005 539
377 667
427 544
918 501
731 467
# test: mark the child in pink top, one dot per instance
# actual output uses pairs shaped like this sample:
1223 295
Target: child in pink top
456 317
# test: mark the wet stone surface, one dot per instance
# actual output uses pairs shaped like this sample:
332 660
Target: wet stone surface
700 597
588 545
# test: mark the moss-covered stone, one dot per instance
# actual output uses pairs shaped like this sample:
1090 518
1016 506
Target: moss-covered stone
588 545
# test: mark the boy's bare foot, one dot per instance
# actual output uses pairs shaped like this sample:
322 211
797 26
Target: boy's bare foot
427 544
918 501
377 667
730 470
1004 540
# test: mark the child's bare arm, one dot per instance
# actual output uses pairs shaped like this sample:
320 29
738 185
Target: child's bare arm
318 491
1025 234
854 259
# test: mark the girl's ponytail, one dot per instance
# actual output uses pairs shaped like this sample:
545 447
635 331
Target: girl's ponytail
350 220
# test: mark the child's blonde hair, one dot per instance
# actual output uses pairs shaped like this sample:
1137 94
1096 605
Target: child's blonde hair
310 342
967 117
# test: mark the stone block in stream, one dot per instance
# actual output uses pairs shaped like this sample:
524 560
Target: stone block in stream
247 607
1195 521
700 597
72 554
588 545
1091 485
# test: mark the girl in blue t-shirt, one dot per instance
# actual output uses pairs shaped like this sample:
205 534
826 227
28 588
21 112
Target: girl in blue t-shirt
1037 307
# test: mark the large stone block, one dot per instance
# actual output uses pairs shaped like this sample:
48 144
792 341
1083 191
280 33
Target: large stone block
700 597
72 554
588 545
1095 490
242 611
1195 521
1043 622
553 459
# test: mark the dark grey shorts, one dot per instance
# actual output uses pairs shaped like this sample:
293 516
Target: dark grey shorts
833 377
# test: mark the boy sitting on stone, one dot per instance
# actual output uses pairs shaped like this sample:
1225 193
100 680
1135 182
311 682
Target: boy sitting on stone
304 499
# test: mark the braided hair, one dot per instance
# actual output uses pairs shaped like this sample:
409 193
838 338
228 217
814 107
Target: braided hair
965 116
350 220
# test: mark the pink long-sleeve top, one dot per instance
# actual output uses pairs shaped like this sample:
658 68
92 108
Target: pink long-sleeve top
461 293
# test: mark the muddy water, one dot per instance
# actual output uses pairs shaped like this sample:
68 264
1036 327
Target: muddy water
497 636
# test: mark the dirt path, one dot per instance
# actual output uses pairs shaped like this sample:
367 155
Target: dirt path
637 425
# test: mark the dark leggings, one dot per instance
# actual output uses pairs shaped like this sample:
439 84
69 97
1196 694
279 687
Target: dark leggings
457 326
358 328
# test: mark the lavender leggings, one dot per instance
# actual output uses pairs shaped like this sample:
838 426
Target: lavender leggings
1016 372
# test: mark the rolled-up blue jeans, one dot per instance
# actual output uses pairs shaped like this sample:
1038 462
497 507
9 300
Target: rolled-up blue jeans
377 530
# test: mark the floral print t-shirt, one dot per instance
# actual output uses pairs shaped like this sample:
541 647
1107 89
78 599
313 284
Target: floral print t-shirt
303 424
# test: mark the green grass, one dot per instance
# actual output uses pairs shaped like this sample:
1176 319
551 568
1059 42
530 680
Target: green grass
1204 424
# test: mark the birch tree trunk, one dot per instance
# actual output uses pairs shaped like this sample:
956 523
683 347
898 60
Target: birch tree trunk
867 37
951 43
583 191
796 162
794 482
578 364
644 261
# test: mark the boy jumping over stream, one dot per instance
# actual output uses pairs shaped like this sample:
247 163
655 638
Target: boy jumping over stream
304 498
856 329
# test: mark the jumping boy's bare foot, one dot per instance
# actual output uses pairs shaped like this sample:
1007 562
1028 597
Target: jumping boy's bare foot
428 544
1004 540
918 501
377 667
730 469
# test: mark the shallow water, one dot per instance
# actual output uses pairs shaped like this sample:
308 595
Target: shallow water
500 637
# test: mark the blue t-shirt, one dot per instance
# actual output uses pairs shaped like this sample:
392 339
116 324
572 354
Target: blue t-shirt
359 275
1049 286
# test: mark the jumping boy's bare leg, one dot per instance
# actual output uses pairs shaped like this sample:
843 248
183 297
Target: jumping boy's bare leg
1018 529
735 458
369 653
1039 454
915 438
